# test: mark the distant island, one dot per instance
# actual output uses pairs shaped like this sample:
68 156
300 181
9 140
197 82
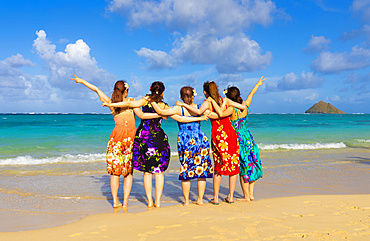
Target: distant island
323 108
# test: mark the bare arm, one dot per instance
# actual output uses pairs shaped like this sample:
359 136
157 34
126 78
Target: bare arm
235 104
219 111
103 97
254 90
145 116
211 115
166 112
187 119
127 104
193 110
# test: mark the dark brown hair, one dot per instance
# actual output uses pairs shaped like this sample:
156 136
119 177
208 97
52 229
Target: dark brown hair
117 96
233 94
211 89
156 90
186 94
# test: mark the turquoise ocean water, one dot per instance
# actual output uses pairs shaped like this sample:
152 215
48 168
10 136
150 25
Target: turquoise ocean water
34 139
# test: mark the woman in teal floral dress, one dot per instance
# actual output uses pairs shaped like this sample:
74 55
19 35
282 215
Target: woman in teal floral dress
192 144
249 157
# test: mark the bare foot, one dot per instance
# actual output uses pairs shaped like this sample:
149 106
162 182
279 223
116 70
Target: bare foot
157 205
150 205
200 203
251 198
117 205
125 206
243 199
186 203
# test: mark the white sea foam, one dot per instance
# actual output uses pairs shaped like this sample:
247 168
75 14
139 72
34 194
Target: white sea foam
297 146
361 140
29 160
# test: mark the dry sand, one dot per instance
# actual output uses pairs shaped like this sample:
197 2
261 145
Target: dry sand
309 217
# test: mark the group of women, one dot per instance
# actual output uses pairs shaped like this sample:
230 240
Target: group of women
147 149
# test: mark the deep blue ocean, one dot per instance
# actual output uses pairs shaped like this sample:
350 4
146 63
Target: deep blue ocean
32 139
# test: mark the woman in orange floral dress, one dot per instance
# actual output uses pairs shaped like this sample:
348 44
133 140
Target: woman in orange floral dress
225 147
119 148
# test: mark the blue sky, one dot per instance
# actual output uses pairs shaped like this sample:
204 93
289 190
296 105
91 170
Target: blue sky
308 50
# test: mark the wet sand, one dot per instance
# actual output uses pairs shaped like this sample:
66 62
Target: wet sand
38 197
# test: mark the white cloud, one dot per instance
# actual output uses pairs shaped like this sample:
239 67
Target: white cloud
336 62
214 16
75 59
157 59
230 54
291 81
16 61
312 97
209 31
363 31
334 98
362 7
317 44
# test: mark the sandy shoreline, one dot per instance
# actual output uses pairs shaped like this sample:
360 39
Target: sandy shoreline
312 217
78 205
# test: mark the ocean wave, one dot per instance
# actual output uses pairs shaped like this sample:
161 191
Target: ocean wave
301 146
29 160
361 140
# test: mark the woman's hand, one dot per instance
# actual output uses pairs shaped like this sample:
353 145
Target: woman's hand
76 79
106 104
260 82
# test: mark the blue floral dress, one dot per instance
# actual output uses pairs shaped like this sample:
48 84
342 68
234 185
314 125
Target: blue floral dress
151 151
194 152
249 156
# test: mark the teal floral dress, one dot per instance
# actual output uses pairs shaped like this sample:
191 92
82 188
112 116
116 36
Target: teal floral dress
194 152
249 156
151 150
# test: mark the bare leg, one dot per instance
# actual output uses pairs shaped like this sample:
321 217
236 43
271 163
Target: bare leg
201 189
127 184
216 186
185 191
114 184
245 188
251 190
232 184
148 187
159 183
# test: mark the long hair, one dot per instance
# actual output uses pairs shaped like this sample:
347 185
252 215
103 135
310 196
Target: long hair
156 90
186 94
211 89
117 96
233 94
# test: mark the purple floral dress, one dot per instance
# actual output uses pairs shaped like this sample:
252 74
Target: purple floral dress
151 151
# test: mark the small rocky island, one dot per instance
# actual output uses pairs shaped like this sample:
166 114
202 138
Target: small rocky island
323 108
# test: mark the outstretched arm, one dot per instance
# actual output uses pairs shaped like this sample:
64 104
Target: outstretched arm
145 116
217 108
254 90
166 112
193 110
187 119
92 87
127 104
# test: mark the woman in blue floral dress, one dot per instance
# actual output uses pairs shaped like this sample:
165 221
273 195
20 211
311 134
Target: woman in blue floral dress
249 157
151 150
192 144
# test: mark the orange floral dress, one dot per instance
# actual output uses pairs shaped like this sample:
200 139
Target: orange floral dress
225 147
119 148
